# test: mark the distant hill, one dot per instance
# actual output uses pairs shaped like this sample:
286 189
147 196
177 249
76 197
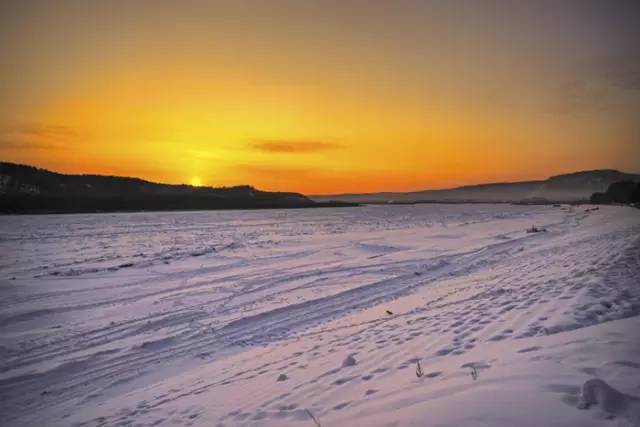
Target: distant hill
572 187
29 189
581 185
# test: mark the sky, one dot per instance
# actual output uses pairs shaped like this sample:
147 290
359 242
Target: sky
321 97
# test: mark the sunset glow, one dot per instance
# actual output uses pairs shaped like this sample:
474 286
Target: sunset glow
320 97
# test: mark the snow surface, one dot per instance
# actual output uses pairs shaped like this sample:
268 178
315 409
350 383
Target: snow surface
298 317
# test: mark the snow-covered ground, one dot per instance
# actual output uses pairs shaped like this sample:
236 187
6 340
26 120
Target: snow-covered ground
320 316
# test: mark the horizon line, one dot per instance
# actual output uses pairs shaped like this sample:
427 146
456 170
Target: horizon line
324 194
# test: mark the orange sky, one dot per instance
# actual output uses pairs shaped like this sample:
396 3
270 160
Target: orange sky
321 96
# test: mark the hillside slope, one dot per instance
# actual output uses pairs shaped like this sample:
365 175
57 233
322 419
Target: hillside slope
578 186
29 189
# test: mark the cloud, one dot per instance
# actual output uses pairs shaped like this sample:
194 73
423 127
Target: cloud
26 145
50 131
292 146
35 136
39 130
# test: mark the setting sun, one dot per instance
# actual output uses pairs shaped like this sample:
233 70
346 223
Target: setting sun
196 181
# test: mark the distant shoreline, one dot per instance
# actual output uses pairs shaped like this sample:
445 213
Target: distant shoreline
319 205
177 209
478 202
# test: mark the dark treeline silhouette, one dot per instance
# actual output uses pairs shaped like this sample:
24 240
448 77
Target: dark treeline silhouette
26 189
619 192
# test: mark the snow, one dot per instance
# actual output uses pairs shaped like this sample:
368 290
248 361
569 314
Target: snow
612 403
298 317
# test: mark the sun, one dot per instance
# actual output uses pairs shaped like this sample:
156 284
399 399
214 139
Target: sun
196 182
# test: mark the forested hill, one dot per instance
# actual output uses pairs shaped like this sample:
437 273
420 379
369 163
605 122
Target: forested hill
29 189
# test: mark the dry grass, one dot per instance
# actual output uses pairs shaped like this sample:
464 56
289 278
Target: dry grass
315 420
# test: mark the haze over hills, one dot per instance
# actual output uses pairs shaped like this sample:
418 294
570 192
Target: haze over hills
29 189
571 187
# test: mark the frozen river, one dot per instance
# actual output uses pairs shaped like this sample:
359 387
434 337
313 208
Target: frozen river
246 317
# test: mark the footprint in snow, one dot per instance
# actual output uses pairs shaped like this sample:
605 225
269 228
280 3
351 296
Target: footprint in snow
341 406
444 351
530 349
349 361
